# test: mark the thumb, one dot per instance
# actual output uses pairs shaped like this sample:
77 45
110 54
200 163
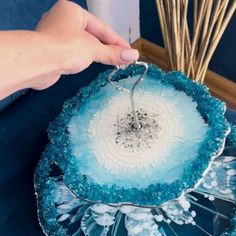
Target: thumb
115 55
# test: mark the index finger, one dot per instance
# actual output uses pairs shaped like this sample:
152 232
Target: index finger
103 32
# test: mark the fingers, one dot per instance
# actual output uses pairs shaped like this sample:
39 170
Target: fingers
103 32
67 15
115 55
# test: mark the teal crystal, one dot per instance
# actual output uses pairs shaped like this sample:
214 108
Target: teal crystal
97 177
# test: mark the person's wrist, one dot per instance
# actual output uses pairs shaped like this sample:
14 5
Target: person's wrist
49 61
62 48
56 51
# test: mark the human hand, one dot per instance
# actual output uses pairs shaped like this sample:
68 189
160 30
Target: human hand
66 41
82 38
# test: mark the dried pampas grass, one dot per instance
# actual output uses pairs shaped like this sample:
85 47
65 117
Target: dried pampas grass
190 49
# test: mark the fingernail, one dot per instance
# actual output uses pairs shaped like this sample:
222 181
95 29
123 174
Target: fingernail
129 55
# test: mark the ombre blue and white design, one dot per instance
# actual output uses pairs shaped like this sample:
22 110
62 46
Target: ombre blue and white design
183 129
99 176
158 156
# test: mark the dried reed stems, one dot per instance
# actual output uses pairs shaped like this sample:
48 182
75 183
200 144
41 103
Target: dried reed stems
189 49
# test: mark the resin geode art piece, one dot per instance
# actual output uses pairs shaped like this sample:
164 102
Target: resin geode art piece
139 152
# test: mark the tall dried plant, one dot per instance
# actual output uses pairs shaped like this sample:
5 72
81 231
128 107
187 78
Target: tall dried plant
190 49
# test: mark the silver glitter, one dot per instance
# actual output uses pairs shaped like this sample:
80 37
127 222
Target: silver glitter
134 139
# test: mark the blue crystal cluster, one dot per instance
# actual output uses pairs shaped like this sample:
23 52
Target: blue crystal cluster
64 213
59 149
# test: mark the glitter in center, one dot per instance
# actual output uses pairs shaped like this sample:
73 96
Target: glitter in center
132 139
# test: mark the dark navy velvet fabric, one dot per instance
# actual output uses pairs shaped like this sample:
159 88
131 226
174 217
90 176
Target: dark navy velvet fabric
23 15
23 137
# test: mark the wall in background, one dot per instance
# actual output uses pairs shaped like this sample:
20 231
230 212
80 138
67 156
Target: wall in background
224 58
121 15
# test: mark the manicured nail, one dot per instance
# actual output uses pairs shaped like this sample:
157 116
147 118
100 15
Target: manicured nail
129 55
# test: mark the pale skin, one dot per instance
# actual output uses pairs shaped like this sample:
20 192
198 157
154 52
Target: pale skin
66 41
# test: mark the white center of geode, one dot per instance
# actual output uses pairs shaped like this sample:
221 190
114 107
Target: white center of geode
109 151
120 148
133 139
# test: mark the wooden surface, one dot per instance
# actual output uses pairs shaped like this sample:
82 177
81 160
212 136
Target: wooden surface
218 85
